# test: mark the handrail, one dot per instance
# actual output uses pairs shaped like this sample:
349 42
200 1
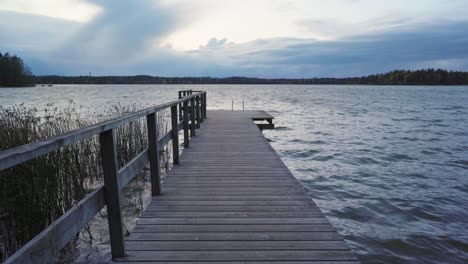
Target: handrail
46 244
20 154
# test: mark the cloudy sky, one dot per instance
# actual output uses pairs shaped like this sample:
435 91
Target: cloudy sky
258 38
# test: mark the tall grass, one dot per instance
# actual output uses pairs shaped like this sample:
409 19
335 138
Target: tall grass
35 193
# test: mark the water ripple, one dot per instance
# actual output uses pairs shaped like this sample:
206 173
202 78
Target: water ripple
387 165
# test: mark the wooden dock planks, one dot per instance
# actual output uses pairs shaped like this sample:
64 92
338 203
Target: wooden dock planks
232 200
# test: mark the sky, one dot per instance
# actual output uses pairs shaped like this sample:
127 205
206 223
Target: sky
219 38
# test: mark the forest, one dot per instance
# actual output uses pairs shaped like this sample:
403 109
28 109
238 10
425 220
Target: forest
13 72
397 77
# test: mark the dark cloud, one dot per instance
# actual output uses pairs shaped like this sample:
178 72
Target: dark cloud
123 31
34 38
126 38
432 45
28 32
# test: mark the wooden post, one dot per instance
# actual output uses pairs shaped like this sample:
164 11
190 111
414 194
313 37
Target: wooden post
180 106
200 104
192 117
112 194
186 126
200 110
175 134
153 149
204 105
197 110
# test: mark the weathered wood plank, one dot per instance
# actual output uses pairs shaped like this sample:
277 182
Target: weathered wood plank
217 228
228 182
207 197
237 236
165 139
227 204
232 199
48 243
132 168
235 245
240 192
240 255
233 185
226 213
252 262
237 221
222 208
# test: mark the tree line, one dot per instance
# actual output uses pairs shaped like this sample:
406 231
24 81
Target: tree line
397 77
13 72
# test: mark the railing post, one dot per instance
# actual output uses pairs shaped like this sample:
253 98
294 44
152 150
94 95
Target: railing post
181 95
112 194
192 117
197 110
175 135
200 110
186 126
153 149
180 105
204 105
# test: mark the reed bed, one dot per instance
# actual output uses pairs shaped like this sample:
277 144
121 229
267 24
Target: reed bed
35 193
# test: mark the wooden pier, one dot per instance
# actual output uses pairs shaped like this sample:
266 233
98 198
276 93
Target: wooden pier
232 200
228 199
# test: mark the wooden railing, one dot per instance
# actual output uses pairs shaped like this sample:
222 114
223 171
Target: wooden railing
51 240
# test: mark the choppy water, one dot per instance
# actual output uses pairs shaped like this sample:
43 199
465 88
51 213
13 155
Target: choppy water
387 165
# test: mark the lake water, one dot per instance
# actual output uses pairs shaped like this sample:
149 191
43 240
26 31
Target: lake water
387 165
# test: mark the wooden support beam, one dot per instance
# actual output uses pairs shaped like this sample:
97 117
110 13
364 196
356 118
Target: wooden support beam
186 125
153 148
175 135
265 126
112 193
192 117
200 98
180 105
197 111
204 105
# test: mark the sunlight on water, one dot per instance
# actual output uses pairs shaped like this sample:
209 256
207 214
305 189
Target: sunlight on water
387 165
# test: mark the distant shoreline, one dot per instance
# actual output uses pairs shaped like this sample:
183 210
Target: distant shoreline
324 84
399 77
